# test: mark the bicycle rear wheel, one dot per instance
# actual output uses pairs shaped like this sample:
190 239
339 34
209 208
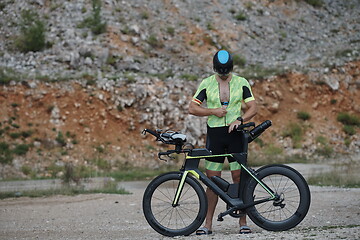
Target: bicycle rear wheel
292 204
169 220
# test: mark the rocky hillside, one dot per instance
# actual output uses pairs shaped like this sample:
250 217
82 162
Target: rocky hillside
108 69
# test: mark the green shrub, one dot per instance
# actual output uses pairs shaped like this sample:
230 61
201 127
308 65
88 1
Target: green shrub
349 129
7 75
100 149
260 72
6 156
60 139
163 76
171 31
2 6
295 132
272 150
325 151
303 116
189 77
21 149
315 3
342 176
32 36
348 119
240 16
347 141
322 140
154 42
26 170
259 142
232 11
15 135
94 22
4 77
98 26
102 164
239 60
343 53
145 15
54 169
209 40
26 134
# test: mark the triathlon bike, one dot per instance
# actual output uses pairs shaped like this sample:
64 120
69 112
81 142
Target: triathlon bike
275 197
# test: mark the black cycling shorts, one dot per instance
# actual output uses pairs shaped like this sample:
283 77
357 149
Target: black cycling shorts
220 141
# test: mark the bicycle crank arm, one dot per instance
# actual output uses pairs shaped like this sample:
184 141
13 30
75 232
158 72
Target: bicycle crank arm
223 214
245 206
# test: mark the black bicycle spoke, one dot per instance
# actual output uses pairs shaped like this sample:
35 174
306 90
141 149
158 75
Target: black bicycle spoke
188 209
184 200
294 196
286 190
181 218
160 199
261 206
161 211
172 211
159 190
292 190
169 212
184 193
289 210
271 181
262 190
287 182
278 187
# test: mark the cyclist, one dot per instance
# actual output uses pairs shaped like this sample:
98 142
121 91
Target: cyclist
223 93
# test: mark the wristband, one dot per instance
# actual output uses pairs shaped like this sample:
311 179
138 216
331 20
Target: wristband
240 119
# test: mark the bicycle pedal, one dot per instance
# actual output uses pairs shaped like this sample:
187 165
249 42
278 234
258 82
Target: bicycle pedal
220 219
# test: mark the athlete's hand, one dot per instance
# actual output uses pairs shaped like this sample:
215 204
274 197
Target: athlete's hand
234 125
219 112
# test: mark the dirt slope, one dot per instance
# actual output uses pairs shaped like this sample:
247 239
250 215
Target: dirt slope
70 122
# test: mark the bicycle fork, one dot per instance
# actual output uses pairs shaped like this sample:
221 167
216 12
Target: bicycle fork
180 187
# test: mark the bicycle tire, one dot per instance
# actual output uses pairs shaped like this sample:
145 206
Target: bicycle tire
292 189
183 219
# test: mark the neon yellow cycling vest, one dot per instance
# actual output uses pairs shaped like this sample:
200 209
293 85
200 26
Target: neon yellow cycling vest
208 90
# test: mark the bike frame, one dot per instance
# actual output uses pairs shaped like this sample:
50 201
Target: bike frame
191 166
245 197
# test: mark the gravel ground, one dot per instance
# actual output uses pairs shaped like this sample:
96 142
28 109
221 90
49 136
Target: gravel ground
334 214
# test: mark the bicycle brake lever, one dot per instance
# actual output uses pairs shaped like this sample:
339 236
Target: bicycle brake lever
161 154
167 154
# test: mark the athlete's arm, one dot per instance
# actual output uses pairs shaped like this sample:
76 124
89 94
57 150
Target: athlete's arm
250 113
198 110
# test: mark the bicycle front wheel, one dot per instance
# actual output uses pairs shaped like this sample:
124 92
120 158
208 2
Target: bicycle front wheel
292 202
184 218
